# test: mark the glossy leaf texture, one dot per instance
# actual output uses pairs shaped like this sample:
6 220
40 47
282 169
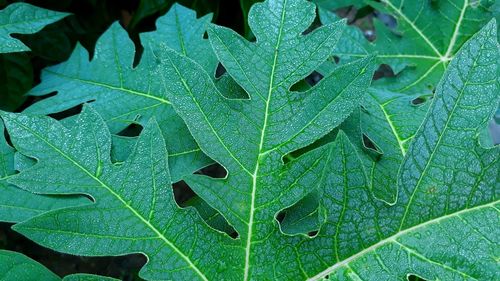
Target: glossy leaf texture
250 136
17 205
310 168
418 54
26 19
182 31
417 51
133 211
15 266
124 94
382 132
390 120
444 225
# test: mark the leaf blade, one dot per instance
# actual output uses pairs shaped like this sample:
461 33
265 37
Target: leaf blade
395 242
147 221
26 19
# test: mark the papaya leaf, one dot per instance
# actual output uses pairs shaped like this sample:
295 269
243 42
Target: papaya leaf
390 120
444 225
25 19
17 205
419 55
15 266
311 160
250 136
134 209
417 52
124 94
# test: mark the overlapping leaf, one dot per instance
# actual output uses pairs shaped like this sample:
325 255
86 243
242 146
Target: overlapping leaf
444 225
389 120
134 209
15 266
17 205
124 94
250 136
182 32
418 54
26 19
427 36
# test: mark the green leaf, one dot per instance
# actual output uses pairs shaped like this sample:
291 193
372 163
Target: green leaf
444 225
441 225
304 217
6 156
134 209
249 137
419 55
210 215
15 266
183 32
390 120
445 152
416 50
87 277
124 94
26 19
17 205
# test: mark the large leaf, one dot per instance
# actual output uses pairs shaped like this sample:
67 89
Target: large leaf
428 35
445 224
17 205
124 94
26 19
134 209
249 137
411 52
15 266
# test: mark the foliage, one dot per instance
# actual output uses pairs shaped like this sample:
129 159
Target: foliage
15 266
23 18
418 55
324 176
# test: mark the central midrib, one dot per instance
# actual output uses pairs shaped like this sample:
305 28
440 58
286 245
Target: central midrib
95 83
412 24
438 142
393 129
456 32
447 55
261 144
393 238
116 195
